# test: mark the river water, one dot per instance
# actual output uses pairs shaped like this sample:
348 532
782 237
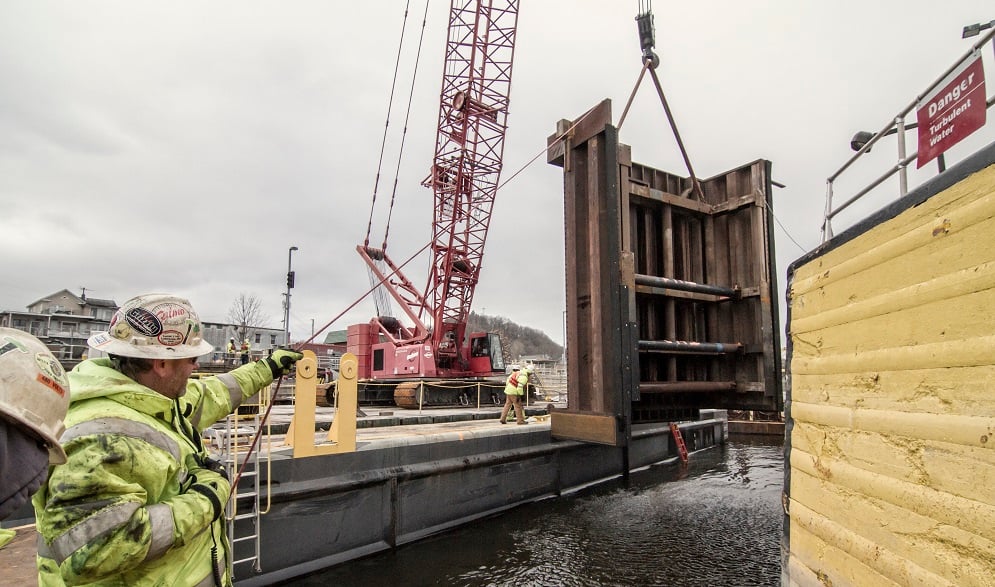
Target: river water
715 522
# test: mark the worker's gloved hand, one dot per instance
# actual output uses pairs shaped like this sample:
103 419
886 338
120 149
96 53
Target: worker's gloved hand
212 485
282 360
213 465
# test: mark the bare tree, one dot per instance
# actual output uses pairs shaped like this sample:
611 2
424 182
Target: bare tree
246 313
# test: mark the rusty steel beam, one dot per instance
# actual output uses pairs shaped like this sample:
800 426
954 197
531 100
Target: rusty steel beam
683 346
687 386
681 285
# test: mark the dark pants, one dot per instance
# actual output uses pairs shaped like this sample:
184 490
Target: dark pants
245 358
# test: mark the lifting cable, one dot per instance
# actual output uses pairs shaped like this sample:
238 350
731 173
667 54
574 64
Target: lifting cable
561 137
390 106
404 132
644 20
565 135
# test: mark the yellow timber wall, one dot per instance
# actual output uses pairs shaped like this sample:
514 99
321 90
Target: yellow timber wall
890 467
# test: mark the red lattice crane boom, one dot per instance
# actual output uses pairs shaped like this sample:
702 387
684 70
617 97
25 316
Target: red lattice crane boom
473 112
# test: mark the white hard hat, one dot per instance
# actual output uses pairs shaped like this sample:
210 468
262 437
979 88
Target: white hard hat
154 326
34 389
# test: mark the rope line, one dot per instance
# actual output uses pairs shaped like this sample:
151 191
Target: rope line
362 297
558 139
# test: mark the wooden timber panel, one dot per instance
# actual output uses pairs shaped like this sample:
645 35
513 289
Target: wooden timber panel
641 351
598 388
890 412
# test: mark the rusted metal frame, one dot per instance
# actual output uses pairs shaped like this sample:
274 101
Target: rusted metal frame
600 331
689 286
733 204
628 308
654 195
716 270
677 295
670 307
695 238
592 260
690 347
686 386
759 266
770 319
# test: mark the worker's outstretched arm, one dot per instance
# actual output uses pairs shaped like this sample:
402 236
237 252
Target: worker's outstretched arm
211 399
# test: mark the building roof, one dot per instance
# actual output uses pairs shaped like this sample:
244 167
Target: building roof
101 303
78 299
337 337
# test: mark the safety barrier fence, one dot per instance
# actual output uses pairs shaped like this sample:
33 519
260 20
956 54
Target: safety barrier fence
863 142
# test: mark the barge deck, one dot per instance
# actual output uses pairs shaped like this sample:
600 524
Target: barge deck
407 482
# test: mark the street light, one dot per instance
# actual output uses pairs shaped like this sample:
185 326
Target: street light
973 30
863 137
290 285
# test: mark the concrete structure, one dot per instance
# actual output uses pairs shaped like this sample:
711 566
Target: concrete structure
890 411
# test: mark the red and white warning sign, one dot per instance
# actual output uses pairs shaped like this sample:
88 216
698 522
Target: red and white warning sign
952 111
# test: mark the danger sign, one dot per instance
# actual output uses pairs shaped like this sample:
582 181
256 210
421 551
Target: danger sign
952 111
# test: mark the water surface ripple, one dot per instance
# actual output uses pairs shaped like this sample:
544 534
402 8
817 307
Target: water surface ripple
715 522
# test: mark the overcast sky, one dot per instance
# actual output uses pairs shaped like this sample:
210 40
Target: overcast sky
185 146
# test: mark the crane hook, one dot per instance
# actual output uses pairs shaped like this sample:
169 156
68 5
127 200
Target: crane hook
647 34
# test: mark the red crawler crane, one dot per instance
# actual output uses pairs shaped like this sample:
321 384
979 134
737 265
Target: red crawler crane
469 146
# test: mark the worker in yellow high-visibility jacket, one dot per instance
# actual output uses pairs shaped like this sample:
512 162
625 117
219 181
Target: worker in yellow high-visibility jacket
139 501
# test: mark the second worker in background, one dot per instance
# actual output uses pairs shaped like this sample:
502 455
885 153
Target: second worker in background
514 391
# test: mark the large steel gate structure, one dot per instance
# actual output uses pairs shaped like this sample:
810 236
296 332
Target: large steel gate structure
671 296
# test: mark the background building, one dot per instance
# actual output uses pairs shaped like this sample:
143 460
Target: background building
64 320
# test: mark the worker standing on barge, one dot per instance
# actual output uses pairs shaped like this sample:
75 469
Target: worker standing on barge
514 389
139 502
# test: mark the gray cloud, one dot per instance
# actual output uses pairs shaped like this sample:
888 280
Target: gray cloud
185 146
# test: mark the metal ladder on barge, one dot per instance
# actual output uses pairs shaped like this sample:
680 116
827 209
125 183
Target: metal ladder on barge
236 437
682 449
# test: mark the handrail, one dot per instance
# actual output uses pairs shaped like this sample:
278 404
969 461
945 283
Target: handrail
897 123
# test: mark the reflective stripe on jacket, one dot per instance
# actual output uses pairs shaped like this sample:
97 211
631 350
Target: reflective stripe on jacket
114 513
511 389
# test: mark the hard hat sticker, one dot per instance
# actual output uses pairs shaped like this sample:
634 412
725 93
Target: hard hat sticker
51 384
170 313
143 321
52 368
171 338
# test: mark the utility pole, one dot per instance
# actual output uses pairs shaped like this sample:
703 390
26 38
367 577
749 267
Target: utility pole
290 285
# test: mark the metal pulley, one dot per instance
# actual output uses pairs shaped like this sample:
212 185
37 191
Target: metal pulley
647 34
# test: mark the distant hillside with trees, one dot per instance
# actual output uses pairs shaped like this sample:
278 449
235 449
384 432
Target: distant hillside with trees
517 340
